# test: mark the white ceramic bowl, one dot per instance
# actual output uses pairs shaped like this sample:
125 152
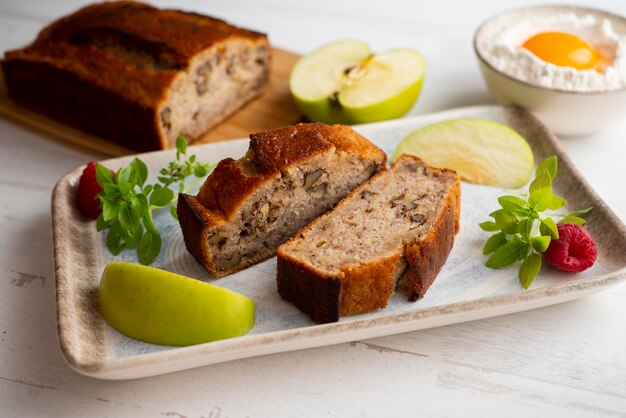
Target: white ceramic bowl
565 112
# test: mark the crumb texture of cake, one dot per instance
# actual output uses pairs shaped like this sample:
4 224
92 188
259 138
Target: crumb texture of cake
248 207
137 75
399 224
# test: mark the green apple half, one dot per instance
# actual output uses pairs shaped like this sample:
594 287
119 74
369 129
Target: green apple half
344 82
160 307
481 151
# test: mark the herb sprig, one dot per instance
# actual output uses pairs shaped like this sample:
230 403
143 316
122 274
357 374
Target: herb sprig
524 226
128 202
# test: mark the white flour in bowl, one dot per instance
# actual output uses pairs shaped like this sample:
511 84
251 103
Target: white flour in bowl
503 51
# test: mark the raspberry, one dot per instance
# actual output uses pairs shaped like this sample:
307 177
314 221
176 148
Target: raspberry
574 251
88 188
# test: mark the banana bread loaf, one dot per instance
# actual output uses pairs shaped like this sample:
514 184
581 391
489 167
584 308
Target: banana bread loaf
401 222
137 75
290 176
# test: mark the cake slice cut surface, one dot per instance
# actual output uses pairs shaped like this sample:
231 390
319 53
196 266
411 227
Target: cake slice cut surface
402 222
289 176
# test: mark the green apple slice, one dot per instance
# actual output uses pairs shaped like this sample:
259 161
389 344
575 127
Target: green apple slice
160 307
344 82
481 151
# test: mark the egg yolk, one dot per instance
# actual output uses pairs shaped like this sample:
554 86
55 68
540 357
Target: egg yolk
565 50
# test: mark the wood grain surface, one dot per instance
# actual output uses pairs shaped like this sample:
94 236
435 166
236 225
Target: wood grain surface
272 109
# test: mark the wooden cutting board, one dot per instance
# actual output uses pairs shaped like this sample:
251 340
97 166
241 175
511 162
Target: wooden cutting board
272 109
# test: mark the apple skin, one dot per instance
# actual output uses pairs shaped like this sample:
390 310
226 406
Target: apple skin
328 112
161 307
325 110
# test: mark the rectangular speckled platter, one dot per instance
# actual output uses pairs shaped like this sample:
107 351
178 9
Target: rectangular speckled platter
465 289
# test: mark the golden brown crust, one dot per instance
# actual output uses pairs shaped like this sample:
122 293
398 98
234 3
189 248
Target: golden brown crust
167 39
313 292
426 257
271 152
228 186
367 287
193 217
233 182
349 140
280 148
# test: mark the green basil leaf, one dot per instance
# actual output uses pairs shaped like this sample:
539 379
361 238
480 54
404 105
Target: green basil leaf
147 189
507 254
161 197
110 189
125 188
143 200
573 219
101 224
525 227
147 221
103 175
173 212
550 164
557 202
542 181
114 239
109 210
200 170
129 219
540 243
133 240
506 223
526 249
489 226
494 242
142 171
540 199
548 227
181 145
149 247
123 175
511 202
529 269
124 216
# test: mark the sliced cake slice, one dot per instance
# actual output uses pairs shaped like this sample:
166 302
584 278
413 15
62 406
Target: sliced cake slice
290 176
401 222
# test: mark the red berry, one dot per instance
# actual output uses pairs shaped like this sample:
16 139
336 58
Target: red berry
575 250
88 188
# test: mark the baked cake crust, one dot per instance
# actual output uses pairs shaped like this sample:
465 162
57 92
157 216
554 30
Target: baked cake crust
272 152
272 158
365 287
109 67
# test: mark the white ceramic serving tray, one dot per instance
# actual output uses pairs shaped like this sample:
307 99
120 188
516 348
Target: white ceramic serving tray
465 289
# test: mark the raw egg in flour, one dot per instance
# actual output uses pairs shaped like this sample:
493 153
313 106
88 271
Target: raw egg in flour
565 50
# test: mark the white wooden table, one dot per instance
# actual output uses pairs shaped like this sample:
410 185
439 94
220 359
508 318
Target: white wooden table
566 360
